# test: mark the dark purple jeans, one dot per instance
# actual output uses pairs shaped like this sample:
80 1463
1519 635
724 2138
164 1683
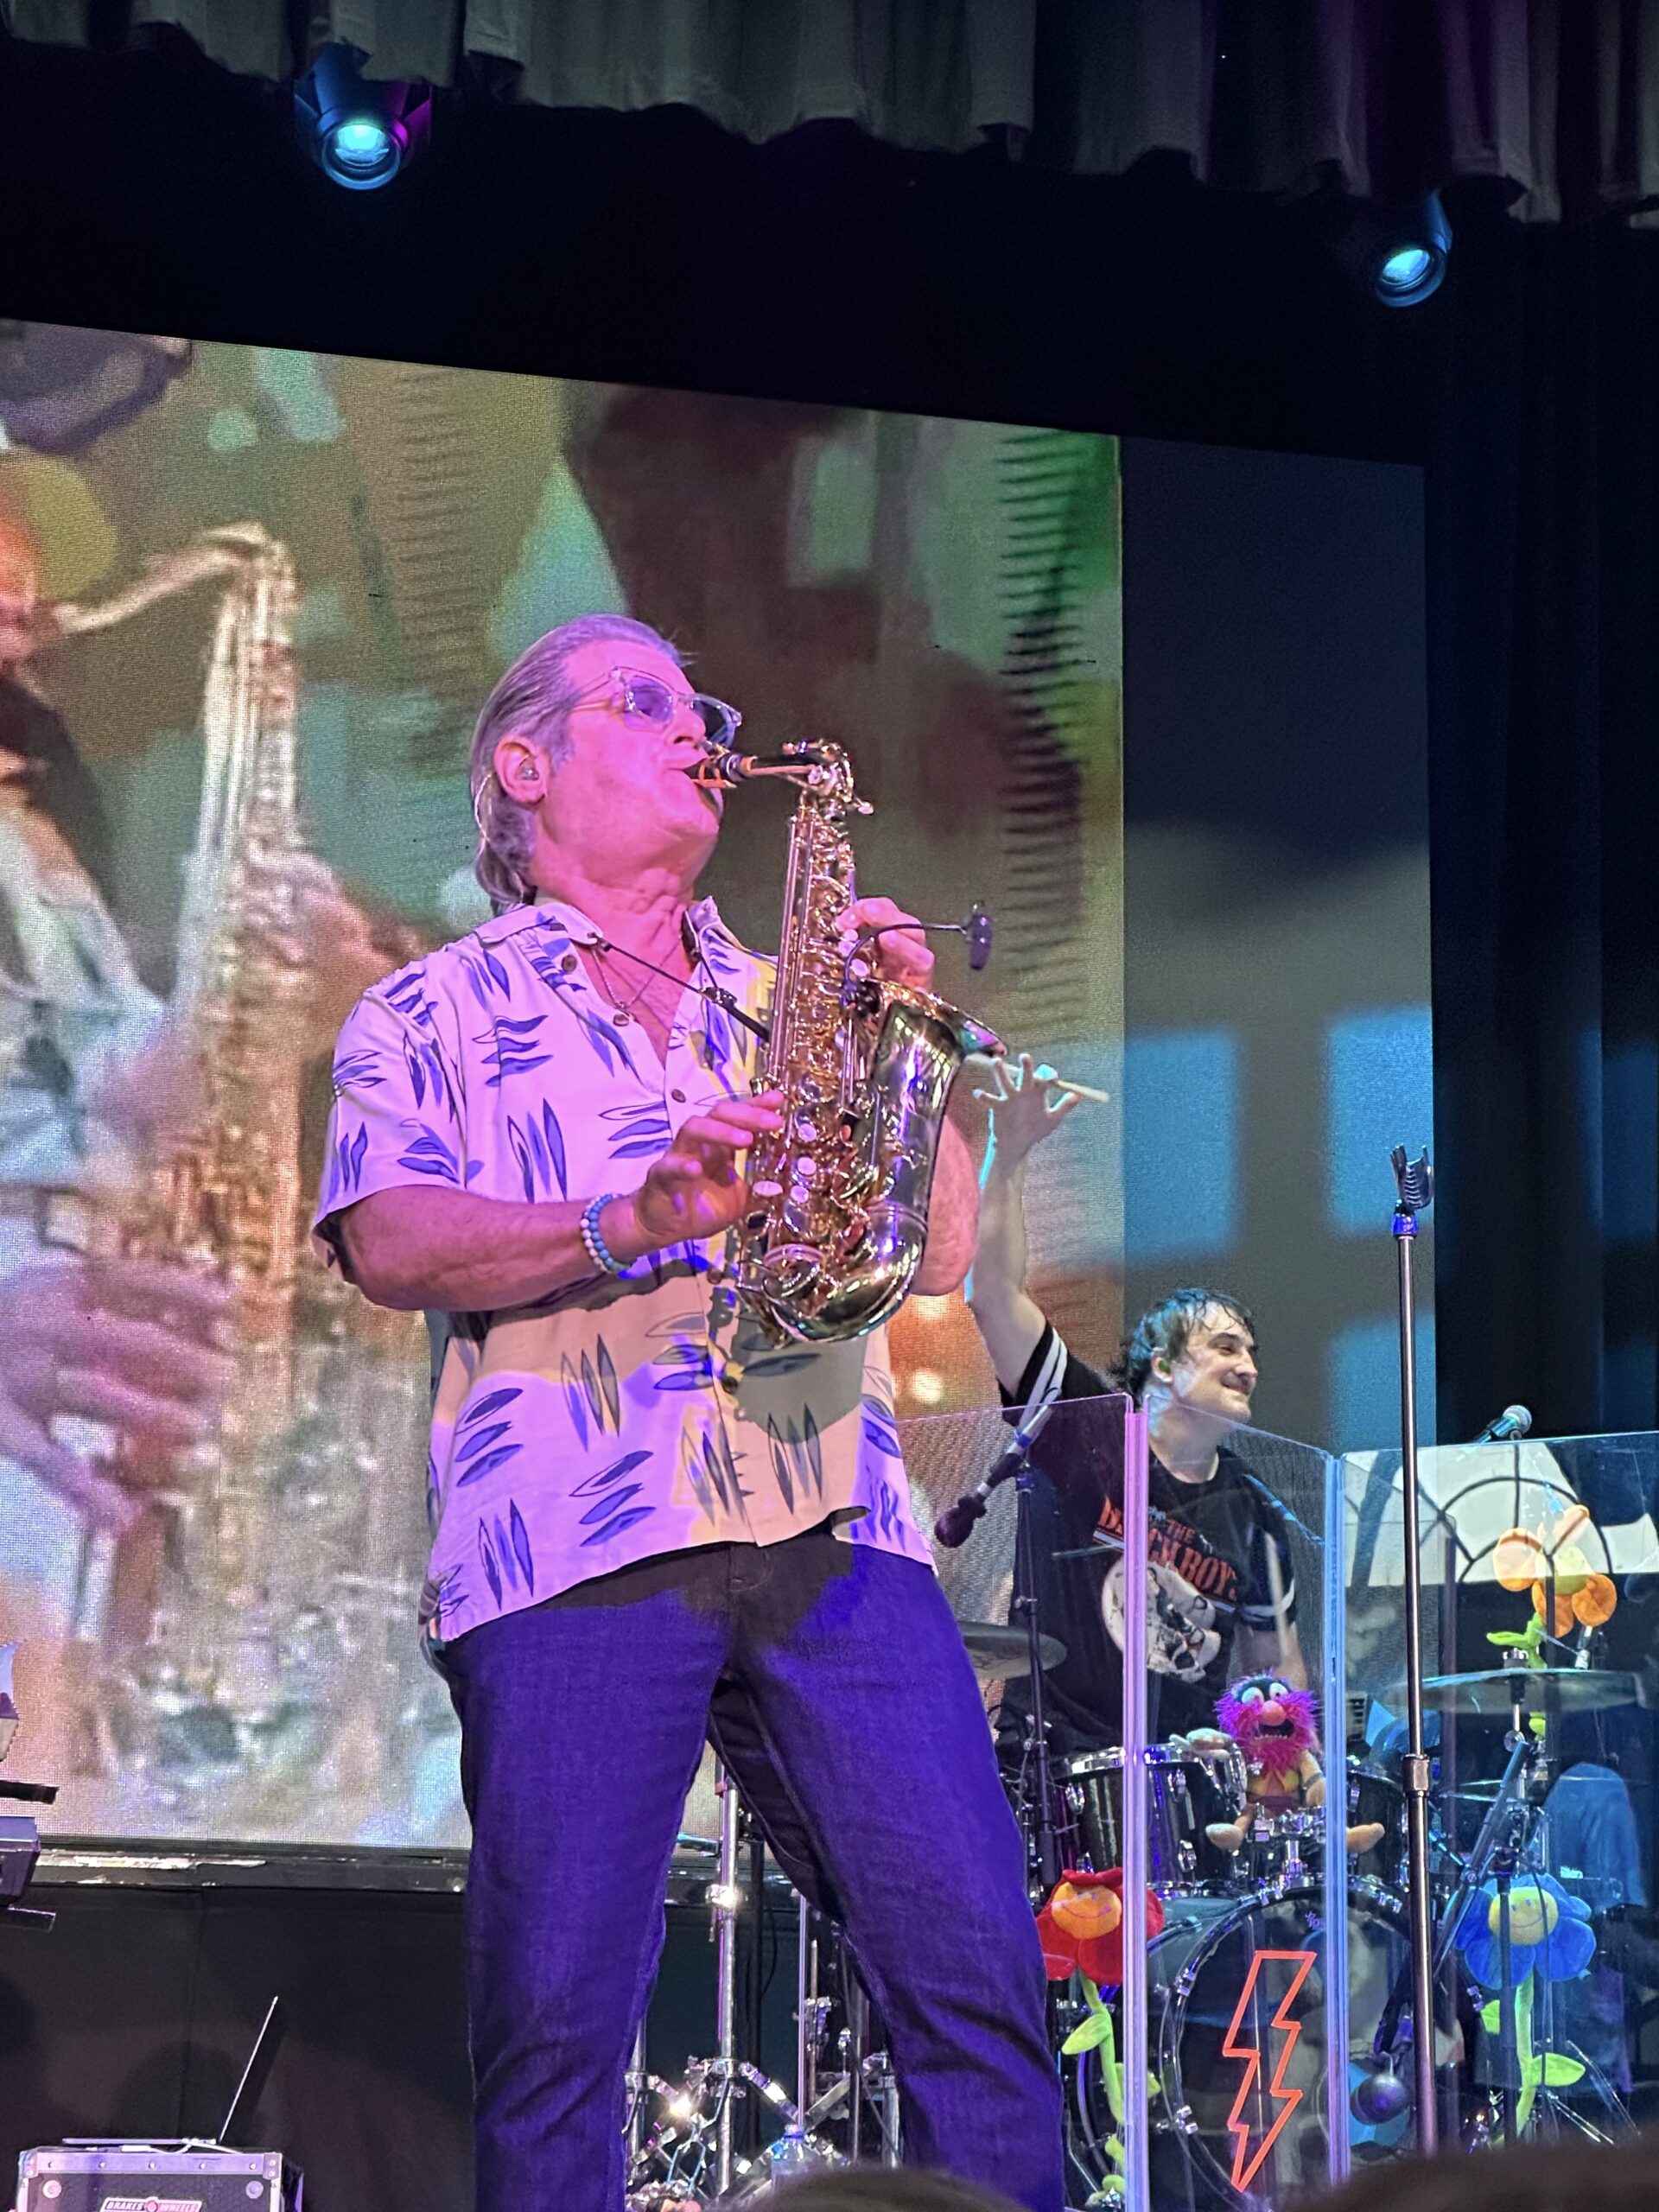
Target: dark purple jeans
832 1679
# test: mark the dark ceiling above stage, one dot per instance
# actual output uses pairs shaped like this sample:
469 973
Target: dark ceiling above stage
1385 98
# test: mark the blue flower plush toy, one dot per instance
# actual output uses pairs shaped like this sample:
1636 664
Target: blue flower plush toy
1550 1931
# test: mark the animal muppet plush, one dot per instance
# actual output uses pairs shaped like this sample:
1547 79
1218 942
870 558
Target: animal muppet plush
1277 1729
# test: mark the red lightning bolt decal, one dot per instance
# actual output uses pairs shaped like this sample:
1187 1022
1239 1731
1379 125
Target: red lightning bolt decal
1245 2167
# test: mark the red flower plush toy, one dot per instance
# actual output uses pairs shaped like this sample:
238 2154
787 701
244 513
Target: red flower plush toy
1082 1926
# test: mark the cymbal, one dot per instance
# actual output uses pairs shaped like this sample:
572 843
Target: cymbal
1566 1689
999 1654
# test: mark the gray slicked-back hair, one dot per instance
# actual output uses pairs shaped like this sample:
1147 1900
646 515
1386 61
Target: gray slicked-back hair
532 701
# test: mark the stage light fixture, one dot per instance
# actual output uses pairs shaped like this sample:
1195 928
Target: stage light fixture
360 133
1399 255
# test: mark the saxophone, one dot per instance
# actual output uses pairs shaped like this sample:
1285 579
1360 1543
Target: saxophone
243 1652
831 1244
175 1604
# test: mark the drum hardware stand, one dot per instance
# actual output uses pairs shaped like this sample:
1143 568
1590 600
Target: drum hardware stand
638 2084
1044 1836
1415 1185
727 1897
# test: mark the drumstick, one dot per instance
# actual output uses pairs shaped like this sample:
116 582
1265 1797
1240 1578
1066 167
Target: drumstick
1046 1075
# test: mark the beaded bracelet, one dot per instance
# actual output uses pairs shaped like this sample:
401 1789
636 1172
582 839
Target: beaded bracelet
593 1237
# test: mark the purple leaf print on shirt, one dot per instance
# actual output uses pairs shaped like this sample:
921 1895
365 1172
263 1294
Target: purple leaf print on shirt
781 1462
608 1505
879 1430
479 1450
538 1147
430 1155
348 1159
641 1133
357 1072
607 1383
405 992
614 1474
717 953
515 1048
796 1455
487 1464
689 1366
574 1402
814 1448
708 1469
481 1409
554 1136
480 1440
521 1550
427 1072
511 1549
628 1519
487 1560
603 1039
483 970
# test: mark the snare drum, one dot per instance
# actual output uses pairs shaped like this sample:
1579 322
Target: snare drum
1187 1787
1282 1850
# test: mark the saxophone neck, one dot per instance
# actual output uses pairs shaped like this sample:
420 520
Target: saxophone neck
823 771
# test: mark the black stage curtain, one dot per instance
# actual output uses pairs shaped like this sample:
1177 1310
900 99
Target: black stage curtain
1543 573
1557 99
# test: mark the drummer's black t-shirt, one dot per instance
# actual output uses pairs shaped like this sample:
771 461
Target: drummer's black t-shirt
1221 1556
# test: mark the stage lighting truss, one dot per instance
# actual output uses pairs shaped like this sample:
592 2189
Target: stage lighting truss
357 131
1397 255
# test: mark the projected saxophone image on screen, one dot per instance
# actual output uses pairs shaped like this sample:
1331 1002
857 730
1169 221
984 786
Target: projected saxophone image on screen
251 603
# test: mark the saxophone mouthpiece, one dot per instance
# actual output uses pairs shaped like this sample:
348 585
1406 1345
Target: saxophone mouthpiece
721 767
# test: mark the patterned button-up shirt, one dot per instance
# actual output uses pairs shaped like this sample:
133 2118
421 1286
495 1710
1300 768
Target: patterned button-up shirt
603 1424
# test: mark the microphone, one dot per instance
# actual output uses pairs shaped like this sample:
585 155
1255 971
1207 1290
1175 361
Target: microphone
1253 1481
979 932
1514 1420
955 1524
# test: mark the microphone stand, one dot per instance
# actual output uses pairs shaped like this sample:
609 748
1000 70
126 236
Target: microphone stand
1415 1187
1045 1840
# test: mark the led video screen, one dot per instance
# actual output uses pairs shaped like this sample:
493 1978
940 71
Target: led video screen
251 602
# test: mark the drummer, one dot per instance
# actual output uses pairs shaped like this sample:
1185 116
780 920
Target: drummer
1222 1594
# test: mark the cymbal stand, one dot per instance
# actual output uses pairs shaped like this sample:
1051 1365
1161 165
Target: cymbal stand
1524 1754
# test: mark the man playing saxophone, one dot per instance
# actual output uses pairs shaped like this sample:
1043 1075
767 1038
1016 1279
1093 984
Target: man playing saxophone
653 1522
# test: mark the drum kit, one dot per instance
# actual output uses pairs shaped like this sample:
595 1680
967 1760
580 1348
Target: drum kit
1251 1921
1254 1922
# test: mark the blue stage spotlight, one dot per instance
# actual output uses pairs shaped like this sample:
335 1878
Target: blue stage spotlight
358 131
1399 256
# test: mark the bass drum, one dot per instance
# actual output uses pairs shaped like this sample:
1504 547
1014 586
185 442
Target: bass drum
1220 1975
